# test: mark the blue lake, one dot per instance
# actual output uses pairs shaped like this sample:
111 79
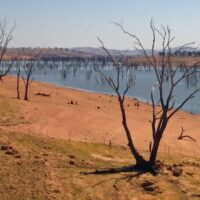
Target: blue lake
85 78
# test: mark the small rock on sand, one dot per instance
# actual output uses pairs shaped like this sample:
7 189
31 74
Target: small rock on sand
72 162
177 171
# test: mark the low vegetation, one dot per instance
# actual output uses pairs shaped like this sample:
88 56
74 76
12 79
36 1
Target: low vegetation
35 167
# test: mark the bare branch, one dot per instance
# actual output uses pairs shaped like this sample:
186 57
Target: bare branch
183 103
5 39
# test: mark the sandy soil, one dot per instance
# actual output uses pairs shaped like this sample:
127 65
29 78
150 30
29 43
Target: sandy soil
95 118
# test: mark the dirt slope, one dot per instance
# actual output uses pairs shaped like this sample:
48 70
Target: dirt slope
51 169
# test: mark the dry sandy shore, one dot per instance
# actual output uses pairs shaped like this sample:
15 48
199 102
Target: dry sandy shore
95 118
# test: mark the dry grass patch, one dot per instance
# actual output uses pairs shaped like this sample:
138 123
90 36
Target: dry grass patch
51 169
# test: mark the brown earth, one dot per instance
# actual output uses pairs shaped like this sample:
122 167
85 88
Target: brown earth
52 169
78 115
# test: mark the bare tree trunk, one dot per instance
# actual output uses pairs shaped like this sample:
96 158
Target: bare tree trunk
157 137
140 161
26 92
28 68
18 76
154 152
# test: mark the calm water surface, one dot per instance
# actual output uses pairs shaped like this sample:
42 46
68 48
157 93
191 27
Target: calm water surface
85 78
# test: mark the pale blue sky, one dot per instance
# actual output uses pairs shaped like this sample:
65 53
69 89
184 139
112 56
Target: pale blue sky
72 23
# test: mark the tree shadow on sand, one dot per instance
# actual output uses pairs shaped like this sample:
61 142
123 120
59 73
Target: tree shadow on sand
116 170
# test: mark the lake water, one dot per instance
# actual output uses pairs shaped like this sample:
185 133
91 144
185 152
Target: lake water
85 78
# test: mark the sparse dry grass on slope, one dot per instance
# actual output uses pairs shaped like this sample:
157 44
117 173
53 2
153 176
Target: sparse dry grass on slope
44 168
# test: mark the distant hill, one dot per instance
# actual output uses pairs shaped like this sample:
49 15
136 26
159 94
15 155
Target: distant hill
83 52
114 52
46 53
101 52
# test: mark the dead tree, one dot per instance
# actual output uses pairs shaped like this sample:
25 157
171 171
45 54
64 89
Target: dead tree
28 70
5 39
115 84
162 66
181 136
167 109
18 68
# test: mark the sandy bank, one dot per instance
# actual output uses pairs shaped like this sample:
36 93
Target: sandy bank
95 118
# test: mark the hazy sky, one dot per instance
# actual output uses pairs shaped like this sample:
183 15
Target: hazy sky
75 23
